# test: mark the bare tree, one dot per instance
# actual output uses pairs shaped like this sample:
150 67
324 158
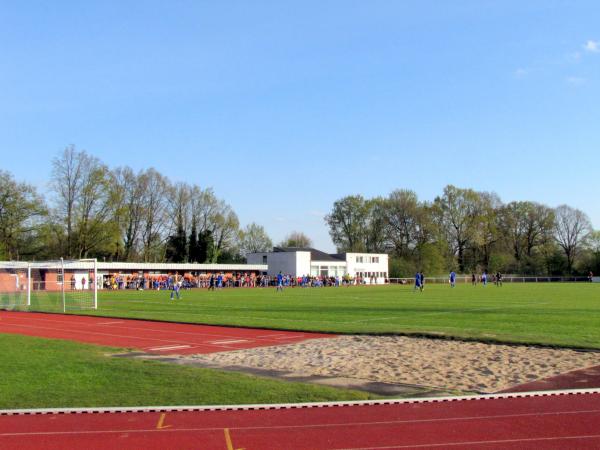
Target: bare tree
155 222
66 184
296 239
224 227
571 228
130 210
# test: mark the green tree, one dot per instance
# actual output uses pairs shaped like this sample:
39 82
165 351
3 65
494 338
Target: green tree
84 203
206 246
254 239
21 214
348 222
457 213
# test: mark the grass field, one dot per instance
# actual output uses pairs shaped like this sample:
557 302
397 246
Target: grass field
37 373
48 373
561 314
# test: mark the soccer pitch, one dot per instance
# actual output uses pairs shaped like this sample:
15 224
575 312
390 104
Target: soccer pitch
561 314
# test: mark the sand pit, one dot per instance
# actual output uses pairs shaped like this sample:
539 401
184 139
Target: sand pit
435 363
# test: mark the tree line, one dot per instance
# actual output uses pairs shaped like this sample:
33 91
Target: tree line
91 210
117 214
466 230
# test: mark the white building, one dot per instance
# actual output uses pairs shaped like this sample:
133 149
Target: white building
309 261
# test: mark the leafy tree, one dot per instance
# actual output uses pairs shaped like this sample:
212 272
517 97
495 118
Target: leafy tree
21 214
401 211
254 239
347 222
457 213
593 247
84 202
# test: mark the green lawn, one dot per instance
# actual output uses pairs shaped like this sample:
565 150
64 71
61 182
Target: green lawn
43 373
563 314
47 373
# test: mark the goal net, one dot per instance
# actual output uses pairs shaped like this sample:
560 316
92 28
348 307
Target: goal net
62 285
13 285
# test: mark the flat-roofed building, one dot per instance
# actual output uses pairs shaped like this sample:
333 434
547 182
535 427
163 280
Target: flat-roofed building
372 268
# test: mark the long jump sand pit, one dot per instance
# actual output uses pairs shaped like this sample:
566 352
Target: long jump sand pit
435 363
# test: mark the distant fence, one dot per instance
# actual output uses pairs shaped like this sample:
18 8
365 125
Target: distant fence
505 279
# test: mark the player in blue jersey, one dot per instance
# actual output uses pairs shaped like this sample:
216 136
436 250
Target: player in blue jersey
279 282
418 281
452 279
175 286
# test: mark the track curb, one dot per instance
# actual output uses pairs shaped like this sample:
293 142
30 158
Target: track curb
258 407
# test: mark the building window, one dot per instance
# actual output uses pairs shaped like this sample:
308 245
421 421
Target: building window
359 259
375 259
264 259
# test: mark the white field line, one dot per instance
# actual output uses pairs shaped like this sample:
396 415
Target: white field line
170 347
230 341
464 398
463 443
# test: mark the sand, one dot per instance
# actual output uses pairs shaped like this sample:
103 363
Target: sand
435 363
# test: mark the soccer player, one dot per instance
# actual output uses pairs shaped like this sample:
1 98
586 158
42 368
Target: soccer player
279 282
452 279
498 279
418 281
484 278
175 289
422 281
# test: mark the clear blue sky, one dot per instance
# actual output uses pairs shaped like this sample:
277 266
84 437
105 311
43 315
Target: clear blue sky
284 107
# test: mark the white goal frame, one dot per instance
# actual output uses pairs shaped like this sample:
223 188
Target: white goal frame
60 266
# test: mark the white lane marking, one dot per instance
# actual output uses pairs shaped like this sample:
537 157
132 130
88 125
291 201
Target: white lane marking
169 347
229 341
332 425
110 323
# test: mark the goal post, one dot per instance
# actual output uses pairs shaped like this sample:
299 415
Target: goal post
14 277
54 286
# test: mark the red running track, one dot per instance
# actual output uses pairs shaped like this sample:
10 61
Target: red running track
148 336
512 421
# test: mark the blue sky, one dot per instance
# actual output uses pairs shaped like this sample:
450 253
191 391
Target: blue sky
284 107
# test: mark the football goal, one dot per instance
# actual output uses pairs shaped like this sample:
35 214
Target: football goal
61 285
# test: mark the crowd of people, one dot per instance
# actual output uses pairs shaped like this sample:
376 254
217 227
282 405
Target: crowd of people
226 280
